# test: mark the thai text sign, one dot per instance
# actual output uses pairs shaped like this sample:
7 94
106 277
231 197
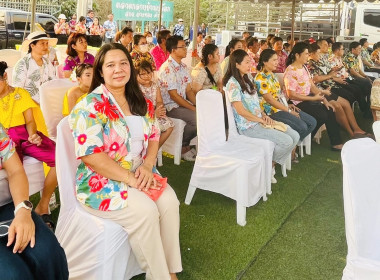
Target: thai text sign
142 10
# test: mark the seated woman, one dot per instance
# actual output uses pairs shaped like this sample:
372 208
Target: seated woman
333 93
116 138
76 53
249 118
272 100
234 44
34 69
152 92
80 27
96 33
18 116
375 55
207 73
375 100
140 51
307 97
84 73
31 250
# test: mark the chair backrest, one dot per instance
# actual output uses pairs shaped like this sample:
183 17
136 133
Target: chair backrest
52 94
61 53
10 56
9 72
232 131
376 130
210 121
361 191
66 164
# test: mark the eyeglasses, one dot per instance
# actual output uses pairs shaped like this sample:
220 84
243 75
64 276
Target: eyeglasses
146 74
183 47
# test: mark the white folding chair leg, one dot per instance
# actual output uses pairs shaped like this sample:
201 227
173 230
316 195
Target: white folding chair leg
307 144
189 195
159 157
289 162
241 215
300 148
283 170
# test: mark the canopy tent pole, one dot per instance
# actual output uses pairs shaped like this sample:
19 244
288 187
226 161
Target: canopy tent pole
293 18
33 5
160 18
81 8
195 31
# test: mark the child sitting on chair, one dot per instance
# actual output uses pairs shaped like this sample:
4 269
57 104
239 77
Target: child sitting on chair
84 74
152 92
23 120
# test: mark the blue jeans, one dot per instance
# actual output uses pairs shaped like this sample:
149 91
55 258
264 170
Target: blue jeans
46 261
304 125
284 141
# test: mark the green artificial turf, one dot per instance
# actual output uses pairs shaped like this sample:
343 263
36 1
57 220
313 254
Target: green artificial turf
298 233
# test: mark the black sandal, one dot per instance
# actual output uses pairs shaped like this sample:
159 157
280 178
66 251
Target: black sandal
48 221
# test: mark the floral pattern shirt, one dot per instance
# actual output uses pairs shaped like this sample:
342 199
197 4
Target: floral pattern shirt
266 82
138 57
159 56
96 30
297 80
250 102
351 61
173 75
7 147
324 61
72 24
80 28
281 66
365 55
199 75
253 58
63 30
336 61
317 68
72 62
98 126
110 25
375 56
27 74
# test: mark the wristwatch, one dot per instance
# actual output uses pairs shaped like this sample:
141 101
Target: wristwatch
25 204
289 110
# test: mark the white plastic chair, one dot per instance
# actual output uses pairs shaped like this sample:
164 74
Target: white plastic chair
95 248
305 143
10 56
318 135
267 145
51 97
361 192
234 168
376 130
173 145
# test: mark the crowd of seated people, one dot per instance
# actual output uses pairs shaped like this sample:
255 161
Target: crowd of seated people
132 83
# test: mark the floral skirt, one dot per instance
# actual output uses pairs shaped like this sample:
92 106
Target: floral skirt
164 123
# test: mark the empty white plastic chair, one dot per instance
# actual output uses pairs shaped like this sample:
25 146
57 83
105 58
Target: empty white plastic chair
233 168
51 98
361 192
95 248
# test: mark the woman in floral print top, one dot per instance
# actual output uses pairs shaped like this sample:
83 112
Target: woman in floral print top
116 137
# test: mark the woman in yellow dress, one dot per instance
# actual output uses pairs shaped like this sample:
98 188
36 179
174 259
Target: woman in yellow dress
84 74
23 120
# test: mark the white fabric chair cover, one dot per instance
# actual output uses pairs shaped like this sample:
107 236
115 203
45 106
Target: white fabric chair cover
51 102
9 75
34 171
267 145
361 192
10 56
61 53
95 248
376 130
173 145
233 168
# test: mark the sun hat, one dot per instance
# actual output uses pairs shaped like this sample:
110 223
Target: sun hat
36 36
180 19
62 16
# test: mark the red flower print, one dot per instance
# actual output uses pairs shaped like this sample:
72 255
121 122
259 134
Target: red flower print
124 195
106 108
82 139
150 108
98 149
114 147
92 116
186 79
105 204
97 182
